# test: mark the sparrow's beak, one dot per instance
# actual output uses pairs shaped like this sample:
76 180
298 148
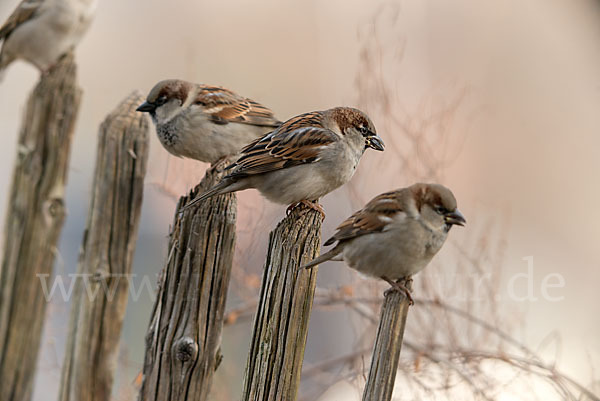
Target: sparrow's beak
375 142
455 217
146 107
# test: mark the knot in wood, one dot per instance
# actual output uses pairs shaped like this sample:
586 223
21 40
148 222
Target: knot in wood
218 359
101 274
23 152
55 207
186 349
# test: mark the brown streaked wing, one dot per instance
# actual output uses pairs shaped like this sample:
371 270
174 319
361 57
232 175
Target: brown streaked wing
368 219
226 106
24 11
297 141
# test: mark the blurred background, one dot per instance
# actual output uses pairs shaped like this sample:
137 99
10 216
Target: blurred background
497 100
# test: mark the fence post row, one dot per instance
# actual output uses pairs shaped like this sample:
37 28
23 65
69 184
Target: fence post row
183 339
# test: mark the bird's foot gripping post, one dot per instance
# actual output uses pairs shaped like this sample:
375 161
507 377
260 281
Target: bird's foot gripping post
401 285
386 353
220 165
286 296
308 205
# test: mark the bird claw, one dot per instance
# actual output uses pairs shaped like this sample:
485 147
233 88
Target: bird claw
217 166
46 70
398 286
290 208
314 205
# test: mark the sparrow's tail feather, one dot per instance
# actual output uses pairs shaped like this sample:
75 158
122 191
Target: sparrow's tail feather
323 258
220 188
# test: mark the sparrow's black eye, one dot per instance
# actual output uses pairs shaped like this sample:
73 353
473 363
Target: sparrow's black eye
161 100
441 210
364 130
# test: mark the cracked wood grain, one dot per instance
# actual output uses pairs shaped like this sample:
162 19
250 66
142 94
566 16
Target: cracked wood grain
106 257
386 353
33 223
286 297
184 335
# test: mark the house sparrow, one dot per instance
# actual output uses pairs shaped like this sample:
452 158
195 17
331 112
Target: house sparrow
41 31
396 234
204 122
307 157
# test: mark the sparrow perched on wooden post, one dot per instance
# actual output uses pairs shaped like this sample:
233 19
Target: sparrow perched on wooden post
41 31
305 158
205 122
396 234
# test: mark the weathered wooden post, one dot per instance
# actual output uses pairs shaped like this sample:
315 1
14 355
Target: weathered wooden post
281 323
184 336
106 258
386 353
33 224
